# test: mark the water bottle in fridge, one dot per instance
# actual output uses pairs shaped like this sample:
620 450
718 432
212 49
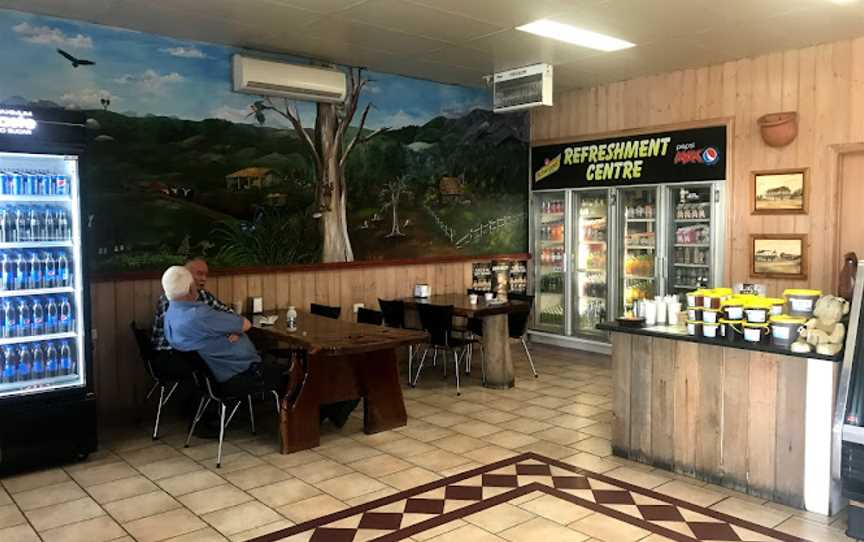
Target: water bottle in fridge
4 225
52 361
19 230
67 364
49 225
62 226
7 367
52 316
34 268
20 279
49 271
10 320
37 369
35 228
66 321
25 363
37 315
24 318
63 275
7 272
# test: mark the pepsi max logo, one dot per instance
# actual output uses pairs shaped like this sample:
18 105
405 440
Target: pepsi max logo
710 156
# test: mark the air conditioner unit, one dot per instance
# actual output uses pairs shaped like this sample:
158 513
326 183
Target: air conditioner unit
270 78
522 88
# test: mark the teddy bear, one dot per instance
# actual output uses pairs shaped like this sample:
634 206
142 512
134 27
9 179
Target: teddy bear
824 330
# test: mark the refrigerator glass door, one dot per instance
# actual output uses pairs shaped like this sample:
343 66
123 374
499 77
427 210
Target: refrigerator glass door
591 261
41 305
638 212
550 261
690 253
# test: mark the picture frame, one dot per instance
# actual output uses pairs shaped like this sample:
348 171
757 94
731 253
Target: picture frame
779 256
781 191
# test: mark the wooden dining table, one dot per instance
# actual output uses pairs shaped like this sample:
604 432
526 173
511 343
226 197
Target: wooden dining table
346 361
496 336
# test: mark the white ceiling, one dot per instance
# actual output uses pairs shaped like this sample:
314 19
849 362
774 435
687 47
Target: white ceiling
459 41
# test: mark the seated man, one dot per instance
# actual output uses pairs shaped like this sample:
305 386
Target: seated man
199 270
218 337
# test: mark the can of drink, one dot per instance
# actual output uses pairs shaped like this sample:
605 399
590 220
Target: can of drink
5 183
62 185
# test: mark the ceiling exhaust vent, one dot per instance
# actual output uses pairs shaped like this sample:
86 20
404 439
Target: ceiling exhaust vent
522 88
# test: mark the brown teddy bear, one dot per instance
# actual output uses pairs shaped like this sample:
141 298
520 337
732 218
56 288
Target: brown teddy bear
824 330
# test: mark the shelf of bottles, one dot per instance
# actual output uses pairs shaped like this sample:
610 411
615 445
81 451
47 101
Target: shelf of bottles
691 250
39 312
551 248
591 229
519 277
640 244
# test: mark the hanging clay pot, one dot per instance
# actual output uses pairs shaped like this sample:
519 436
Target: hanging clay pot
778 129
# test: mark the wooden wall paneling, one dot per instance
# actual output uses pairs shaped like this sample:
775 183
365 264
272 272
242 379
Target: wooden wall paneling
740 195
621 367
641 416
856 94
225 287
686 407
663 403
761 425
143 302
805 142
239 290
733 447
268 290
282 285
106 355
851 173
253 285
710 367
129 374
790 430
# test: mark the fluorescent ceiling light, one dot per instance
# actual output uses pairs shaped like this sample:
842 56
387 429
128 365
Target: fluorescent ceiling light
574 35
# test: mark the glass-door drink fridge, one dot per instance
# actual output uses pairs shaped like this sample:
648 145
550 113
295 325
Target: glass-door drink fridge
47 404
591 261
550 239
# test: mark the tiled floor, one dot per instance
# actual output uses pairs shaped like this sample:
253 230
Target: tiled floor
137 489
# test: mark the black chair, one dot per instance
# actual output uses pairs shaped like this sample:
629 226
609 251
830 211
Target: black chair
212 390
368 316
394 316
325 310
166 370
437 320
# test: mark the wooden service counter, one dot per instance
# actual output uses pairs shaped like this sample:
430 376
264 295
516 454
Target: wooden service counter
754 418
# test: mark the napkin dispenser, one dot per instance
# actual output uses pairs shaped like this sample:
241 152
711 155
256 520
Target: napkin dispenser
422 290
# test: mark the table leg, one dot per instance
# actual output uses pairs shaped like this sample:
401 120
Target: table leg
496 344
383 405
300 424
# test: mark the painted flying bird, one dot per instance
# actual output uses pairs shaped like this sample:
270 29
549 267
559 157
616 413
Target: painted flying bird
75 61
258 110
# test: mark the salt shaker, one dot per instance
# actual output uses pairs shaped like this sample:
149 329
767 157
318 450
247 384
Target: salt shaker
291 318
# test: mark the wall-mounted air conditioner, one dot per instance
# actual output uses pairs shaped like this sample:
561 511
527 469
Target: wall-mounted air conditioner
522 88
295 81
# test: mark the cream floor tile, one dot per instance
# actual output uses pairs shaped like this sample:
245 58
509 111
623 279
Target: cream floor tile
467 533
100 529
377 439
285 492
602 430
202 450
476 429
157 452
259 446
761 515
542 530
406 447
547 401
651 480
164 525
445 419
207 534
559 391
351 452
409 478
591 463
509 439
4 497
19 533
215 498
579 409
571 421
812 531
24 482
427 432
594 445
133 508
230 463
549 449
495 416
460 469
440 530
539 413
103 473
528 426
688 492
558 510
121 489
268 528
591 399
460 443
560 435
244 517
190 482
318 471
489 454
167 468
438 460
369 497
499 518
296 459
350 486
49 517
10 516
252 477
311 508
608 529
48 495
380 465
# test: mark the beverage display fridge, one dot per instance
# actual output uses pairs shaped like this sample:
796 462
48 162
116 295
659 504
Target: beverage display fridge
47 403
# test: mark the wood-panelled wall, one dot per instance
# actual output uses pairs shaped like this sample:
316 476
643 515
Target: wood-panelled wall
825 84
120 378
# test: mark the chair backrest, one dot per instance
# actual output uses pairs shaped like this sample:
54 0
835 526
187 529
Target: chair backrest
325 310
368 316
517 321
201 373
437 320
145 347
393 311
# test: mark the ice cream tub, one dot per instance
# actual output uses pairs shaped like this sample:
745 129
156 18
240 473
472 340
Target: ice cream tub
710 331
694 314
694 328
757 333
733 309
711 316
731 330
801 302
777 305
784 329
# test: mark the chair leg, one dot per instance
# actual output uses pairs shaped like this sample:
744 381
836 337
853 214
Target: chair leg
158 413
152 389
420 368
527 353
278 403
483 363
251 413
202 406
469 351
456 362
410 361
221 434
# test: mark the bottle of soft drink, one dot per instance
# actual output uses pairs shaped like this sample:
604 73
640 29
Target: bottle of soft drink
7 369
6 272
62 185
4 224
49 226
37 369
52 316
45 185
30 182
63 275
24 318
62 226
19 230
25 363
34 268
9 320
49 271
52 363
20 279
67 364
33 225
37 315
66 321
5 182
17 184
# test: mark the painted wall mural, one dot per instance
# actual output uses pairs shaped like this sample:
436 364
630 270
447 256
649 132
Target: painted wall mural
179 165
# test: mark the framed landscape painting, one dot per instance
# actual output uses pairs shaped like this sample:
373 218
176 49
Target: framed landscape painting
781 256
780 192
